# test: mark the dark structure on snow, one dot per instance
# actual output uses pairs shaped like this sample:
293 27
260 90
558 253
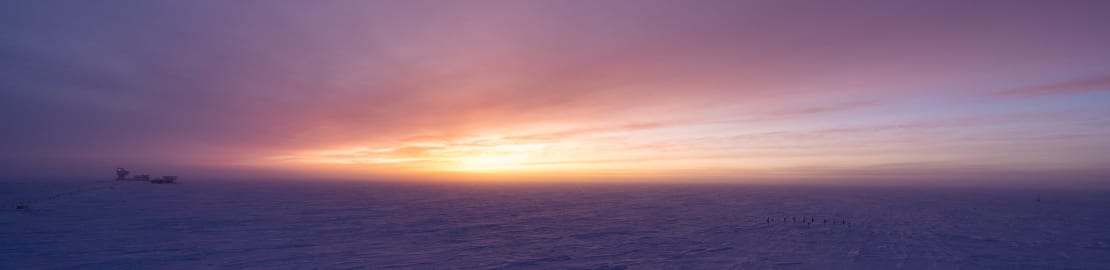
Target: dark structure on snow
122 173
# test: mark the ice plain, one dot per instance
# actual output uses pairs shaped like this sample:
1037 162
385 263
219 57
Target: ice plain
352 225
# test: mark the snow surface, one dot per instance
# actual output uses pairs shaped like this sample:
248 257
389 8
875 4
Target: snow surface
302 225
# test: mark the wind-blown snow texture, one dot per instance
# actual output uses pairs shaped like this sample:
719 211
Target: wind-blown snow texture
298 225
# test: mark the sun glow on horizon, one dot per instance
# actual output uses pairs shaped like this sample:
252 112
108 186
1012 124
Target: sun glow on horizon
487 154
708 148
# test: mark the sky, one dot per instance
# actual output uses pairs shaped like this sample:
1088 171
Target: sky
891 91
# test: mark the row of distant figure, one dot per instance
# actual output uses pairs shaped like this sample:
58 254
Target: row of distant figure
26 205
808 221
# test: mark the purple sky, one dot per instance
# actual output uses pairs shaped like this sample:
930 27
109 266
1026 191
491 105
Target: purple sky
899 91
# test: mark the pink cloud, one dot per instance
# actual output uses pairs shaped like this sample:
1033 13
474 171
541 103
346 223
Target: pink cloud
1091 84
